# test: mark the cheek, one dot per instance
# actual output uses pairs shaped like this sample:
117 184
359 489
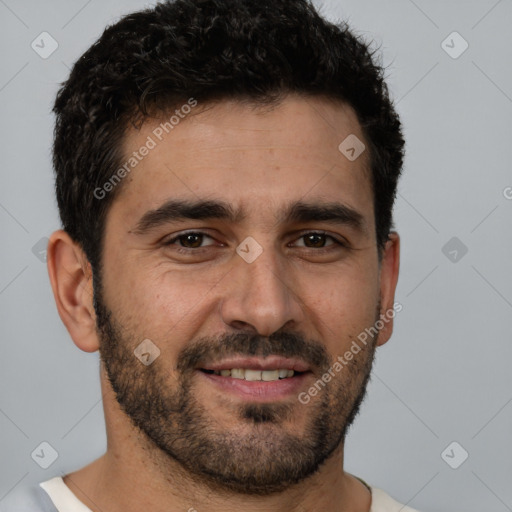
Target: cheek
161 304
345 306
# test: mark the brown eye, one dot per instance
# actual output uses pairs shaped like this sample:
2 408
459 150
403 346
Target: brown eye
191 240
317 240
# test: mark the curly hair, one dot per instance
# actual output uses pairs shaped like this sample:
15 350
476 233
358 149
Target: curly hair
212 50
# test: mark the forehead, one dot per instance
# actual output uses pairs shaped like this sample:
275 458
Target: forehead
249 156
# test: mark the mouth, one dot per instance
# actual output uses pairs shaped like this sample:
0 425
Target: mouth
256 379
255 375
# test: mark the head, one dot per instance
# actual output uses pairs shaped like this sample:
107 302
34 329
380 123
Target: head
208 207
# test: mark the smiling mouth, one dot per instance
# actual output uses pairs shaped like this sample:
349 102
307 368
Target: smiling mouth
255 375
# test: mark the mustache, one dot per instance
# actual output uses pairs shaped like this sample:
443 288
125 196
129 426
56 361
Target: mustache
285 344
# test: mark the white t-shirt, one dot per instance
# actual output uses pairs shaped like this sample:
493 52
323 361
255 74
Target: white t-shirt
55 496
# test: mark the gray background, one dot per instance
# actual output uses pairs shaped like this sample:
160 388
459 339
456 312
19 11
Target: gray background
444 376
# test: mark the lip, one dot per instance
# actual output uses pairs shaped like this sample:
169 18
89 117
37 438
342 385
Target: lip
259 363
258 391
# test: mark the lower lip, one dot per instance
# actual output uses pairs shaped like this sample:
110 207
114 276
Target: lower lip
259 391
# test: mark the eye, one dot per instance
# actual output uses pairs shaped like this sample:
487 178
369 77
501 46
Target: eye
194 242
317 240
190 240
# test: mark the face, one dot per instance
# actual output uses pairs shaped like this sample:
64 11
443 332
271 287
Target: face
243 247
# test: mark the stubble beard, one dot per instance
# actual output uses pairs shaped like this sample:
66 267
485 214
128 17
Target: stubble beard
259 458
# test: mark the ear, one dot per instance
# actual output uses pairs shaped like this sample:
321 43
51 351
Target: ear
71 279
389 268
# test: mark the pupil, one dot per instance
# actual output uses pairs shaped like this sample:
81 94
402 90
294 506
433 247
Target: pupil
189 240
316 239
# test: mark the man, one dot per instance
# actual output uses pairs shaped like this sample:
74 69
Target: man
225 176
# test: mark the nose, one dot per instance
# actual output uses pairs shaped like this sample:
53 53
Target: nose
260 296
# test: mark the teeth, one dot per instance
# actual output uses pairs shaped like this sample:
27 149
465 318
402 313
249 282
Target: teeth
268 375
252 374
256 375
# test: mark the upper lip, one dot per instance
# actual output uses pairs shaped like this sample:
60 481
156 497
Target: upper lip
259 363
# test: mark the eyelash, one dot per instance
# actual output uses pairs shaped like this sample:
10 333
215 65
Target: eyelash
199 250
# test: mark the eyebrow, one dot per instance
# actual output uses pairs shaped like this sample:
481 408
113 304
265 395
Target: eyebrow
176 210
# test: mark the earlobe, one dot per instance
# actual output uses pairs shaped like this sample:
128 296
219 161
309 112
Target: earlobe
71 279
389 270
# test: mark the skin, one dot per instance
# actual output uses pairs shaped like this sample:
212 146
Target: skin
259 160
